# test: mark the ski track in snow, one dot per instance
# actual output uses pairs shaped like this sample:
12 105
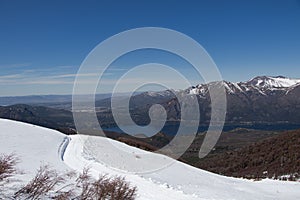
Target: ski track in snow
36 145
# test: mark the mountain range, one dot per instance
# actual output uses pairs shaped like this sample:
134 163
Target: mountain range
261 100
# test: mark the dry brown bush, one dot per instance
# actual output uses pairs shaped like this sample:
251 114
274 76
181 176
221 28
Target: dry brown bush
44 181
49 184
104 187
7 166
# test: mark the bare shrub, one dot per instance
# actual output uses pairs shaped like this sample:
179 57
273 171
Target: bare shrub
7 166
120 189
64 195
104 188
7 170
44 181
49 184
83 182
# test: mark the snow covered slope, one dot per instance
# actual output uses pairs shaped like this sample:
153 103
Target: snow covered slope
35 145
178 181
32 144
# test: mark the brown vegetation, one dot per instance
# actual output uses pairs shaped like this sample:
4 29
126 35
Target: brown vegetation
45 181
7 166
104 187
273 158
50 184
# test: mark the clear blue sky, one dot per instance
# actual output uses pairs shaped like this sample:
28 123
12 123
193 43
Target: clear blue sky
42 43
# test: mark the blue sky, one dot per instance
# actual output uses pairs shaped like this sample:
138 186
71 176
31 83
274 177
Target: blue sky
43 43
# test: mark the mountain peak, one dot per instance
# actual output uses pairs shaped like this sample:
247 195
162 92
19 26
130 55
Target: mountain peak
260 84
272 82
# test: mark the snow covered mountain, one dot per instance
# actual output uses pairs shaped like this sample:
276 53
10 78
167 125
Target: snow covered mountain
260 84
261 100
35 145
273 82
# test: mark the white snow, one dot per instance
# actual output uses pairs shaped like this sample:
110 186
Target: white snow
277 82
32 144
228 88
35 145
195 91
199 90
238 87
284 82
